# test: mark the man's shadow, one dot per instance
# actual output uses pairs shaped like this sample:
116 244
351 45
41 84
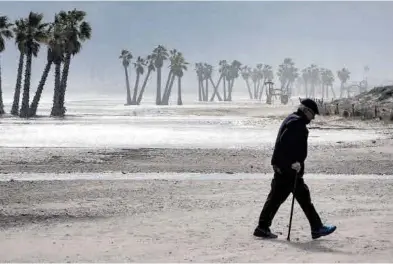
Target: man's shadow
311 246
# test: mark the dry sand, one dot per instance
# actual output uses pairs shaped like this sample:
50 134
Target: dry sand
189 221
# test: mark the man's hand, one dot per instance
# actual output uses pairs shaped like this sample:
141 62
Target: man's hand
296 166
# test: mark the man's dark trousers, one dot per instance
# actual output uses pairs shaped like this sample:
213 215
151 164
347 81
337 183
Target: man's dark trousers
281 186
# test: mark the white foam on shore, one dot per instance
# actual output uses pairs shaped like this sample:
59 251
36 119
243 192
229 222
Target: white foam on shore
176 176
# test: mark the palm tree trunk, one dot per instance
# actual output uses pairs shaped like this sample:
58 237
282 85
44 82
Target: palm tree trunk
216 89
225 90
165 100
207 89
158 95
256 92
248 88
143 88
127 86
199 90
26 89
202 90
135 88
56 111
1 96
334 94
179 99
262 88
341 89
327 91
37 96
168 80
230 87
18 86
287 88
63 83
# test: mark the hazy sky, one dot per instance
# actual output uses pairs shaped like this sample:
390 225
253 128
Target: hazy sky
329 34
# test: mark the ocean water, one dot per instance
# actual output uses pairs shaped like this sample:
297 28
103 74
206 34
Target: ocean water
105 122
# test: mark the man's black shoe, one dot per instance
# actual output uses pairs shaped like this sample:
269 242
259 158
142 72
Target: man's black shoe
264 232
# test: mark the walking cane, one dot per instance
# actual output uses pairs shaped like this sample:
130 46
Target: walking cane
293 203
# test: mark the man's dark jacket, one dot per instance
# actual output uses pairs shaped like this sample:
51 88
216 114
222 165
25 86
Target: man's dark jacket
291 142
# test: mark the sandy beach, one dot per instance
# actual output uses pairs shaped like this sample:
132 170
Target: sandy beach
192 204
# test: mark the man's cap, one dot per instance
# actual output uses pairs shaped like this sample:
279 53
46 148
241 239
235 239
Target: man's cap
310 104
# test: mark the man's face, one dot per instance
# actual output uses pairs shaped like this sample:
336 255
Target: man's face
309 113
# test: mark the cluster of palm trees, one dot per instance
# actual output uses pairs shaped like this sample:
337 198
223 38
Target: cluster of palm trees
154 61
228 73
63 39
311 81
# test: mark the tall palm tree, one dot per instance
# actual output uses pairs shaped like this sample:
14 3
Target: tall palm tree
344 75
5 33
267 73
36 31
207 75
259 81
254 79
76 31
314 78
215 85
55 50
171 77
200 71
160 54
139 69
306 75
224 71
150 69
20 31
233 74
178 66
327 80
286 70
246 73
126 58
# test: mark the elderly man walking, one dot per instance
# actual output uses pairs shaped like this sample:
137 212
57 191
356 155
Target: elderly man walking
289 155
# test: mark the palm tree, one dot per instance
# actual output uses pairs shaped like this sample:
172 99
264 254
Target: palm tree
150 68
171 77
343 75
224 69
254 79
233 74
126 58
286 73
215 86
139 64
160 54
20 31
36 33
200 71
55 50
178 66
306 75
314 78
260 78
246 73
5 33
327 80
207 75
267 73
76 31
